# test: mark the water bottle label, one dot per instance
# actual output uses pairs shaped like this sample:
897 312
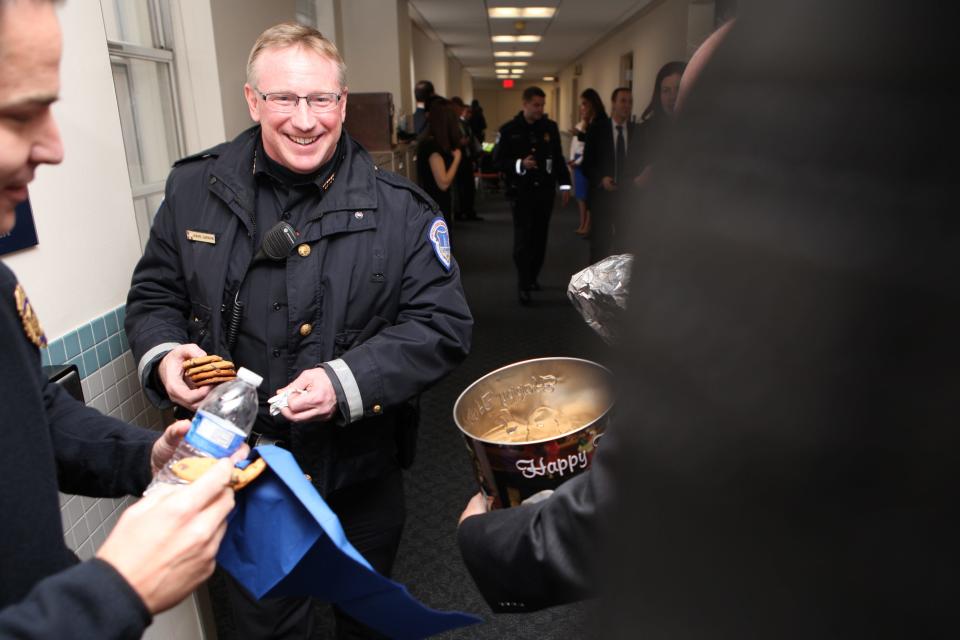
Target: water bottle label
213 435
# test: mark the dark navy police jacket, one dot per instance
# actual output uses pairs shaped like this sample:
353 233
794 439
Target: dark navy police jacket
53 443
365 268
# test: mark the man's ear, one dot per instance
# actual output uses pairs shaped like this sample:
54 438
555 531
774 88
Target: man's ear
343 105
250 95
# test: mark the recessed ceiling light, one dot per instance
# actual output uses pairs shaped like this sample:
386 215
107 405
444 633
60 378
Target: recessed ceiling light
521 12
549 78
522 38
513 54
520 71
510 63
513 76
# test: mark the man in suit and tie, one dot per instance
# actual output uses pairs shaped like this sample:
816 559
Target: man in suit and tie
607 166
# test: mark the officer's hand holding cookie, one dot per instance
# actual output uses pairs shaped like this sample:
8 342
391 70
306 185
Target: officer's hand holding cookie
208 370
179 387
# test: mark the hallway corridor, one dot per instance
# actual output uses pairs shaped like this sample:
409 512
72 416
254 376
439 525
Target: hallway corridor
441 480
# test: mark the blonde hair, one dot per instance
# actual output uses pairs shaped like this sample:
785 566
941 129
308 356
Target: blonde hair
292 34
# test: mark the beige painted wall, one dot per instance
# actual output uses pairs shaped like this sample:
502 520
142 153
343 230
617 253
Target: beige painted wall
429 59
466 85
329 20
376 50
453 70
236 25
656 36
502 105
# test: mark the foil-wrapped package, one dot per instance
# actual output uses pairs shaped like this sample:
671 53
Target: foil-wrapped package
600 293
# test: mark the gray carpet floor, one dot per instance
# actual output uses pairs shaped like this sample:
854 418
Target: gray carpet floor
441 480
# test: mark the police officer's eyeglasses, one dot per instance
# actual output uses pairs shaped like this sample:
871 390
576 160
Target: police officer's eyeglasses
286 102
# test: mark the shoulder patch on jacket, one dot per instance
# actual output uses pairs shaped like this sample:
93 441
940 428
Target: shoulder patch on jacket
439 237
399 182
212 152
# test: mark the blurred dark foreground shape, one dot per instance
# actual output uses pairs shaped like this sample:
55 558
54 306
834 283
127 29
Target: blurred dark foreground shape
786 452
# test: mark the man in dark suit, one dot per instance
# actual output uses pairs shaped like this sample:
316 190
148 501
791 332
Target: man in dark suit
785 460
607 165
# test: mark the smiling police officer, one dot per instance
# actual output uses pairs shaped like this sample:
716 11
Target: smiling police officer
364 313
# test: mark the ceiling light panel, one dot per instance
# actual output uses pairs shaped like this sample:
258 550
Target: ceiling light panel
513 54
521 12
510 63
521 38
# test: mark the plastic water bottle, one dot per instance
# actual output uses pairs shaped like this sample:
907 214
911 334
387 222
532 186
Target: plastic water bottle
222 422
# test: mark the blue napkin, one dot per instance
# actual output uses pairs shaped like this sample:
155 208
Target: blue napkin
283 540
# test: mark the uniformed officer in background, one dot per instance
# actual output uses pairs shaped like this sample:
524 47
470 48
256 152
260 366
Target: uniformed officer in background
362 312
528 152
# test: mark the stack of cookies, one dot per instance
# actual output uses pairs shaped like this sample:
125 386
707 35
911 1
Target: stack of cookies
208 370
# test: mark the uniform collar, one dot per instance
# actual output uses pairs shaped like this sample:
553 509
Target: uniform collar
263 164
353 188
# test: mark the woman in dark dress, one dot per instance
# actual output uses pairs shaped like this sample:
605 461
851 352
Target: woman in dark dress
439 155
657 119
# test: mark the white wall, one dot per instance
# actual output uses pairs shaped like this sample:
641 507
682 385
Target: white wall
236 25
655 36
83 208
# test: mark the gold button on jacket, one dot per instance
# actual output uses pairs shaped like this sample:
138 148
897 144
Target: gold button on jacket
303 250
305 329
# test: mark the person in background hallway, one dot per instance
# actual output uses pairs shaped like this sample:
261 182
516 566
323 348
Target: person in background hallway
365 314
528 152
784 463
657 120
439 155
422 92
470 146
591 108
478 123
608 168
162 547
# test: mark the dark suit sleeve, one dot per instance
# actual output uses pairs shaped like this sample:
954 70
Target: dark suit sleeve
559 160
502 156
540 555
594 149
89 600
96 455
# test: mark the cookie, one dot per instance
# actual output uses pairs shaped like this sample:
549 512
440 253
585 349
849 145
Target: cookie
208 381
193 362
219 373
189 469
210 366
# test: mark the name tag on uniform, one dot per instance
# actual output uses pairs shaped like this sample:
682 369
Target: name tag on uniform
201 236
